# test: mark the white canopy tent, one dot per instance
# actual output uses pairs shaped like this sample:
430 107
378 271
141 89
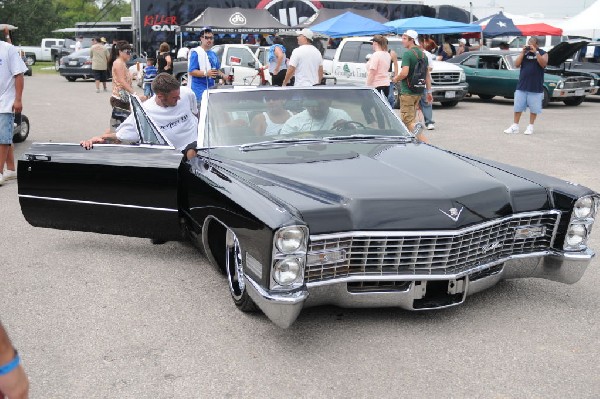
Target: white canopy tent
586 23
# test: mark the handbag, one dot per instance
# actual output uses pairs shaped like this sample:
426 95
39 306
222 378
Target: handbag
124 96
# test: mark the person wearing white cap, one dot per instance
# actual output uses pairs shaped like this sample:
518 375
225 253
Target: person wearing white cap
306 63
409 98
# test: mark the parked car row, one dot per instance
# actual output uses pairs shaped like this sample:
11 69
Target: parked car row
487 73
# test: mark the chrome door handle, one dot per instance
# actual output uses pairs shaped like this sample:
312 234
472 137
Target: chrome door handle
38 157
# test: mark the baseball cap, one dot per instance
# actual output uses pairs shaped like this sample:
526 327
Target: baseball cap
307 33
412 34
205 29
103 39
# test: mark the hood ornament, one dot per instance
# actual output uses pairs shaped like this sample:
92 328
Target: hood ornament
453 213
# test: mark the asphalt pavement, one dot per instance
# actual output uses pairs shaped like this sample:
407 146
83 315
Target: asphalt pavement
98 316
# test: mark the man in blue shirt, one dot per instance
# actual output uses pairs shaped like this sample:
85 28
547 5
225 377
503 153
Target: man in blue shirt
530 89
203 65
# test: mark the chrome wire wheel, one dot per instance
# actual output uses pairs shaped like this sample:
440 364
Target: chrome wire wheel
235 267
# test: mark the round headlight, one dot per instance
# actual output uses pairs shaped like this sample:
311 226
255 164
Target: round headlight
583 207
576 234
290 239
287 271
560 85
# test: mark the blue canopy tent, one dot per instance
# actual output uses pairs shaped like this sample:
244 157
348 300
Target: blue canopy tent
431 26
350 24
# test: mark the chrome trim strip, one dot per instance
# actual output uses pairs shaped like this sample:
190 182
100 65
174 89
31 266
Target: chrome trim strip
144 145
98 203
429 277
352 234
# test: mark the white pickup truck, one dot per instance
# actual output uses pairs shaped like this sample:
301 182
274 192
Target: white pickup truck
347 64
42 53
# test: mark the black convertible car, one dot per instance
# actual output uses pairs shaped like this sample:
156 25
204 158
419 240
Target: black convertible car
311 196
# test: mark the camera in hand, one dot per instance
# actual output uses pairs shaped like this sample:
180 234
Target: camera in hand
528 48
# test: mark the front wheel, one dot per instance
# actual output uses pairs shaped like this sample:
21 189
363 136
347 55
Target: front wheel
574 101
21 129
30 59
546 99
234 268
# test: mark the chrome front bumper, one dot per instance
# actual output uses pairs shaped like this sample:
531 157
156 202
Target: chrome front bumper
582 91
459 90
283 308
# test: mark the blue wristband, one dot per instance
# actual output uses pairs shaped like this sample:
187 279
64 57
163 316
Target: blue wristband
10 366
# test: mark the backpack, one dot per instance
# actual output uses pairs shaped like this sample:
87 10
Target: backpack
416 82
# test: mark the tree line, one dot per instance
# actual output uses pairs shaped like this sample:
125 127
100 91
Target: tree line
37 19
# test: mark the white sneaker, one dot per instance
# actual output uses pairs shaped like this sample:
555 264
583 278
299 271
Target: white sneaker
430 126
529 130
1 179
513 129
10 175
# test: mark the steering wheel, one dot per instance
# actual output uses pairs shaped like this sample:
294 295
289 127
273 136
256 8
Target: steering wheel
349 124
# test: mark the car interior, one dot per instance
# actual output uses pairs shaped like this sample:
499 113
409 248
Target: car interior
231 117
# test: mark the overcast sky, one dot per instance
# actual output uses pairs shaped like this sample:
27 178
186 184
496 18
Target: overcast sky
546 8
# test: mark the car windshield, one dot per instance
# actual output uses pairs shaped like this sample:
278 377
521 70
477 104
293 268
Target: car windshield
267 116
511 60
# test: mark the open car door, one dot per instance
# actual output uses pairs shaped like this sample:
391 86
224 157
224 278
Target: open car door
122 189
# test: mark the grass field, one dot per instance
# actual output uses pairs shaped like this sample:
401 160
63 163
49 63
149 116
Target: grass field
43 67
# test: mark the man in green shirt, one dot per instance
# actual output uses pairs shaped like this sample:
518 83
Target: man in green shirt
408 98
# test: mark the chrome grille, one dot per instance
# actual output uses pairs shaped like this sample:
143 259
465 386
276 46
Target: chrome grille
577 82
372 254
442 78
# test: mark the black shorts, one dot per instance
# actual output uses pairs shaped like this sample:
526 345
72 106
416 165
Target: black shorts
100 74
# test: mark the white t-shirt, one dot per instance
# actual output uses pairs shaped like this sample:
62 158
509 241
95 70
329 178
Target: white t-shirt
303 122
179 124
11 65
306 59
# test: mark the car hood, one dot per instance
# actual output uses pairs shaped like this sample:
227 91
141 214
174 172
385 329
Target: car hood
443 66
345 187
563 51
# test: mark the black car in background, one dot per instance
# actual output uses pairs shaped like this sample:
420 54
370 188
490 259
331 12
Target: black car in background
78 65
577 56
